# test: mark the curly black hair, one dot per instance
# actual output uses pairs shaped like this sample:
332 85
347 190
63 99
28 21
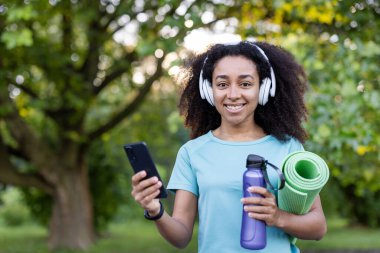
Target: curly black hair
281 116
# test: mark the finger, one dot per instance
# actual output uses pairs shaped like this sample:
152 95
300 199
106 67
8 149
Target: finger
146 183
149 198
140 193
259 216
138 188
136 178
260 209
259 201
254 201
150 190
261 190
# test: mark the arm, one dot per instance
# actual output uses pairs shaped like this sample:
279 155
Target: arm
313 223
176 229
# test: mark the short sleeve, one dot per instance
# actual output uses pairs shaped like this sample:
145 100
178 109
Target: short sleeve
295 145
183 176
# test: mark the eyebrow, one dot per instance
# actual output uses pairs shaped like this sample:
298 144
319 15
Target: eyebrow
240 76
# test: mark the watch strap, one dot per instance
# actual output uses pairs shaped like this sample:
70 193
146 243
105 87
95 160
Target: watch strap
158 216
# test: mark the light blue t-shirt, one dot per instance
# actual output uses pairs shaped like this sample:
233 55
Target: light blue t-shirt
212 169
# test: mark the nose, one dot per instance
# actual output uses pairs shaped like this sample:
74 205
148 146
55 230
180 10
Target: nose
233 92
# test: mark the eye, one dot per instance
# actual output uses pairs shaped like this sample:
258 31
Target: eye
246 84
222 85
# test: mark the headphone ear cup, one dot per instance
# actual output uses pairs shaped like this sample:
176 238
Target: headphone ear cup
264 91
208 92
201 84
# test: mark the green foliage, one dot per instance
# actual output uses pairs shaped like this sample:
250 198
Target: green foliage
69 81
344 122
16 36
15 215
107 186
39 203
13 212
107 181
341 59
14 39
158 124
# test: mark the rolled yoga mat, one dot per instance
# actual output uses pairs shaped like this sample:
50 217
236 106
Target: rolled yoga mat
305 175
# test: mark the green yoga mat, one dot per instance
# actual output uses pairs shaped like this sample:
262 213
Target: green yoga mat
305 175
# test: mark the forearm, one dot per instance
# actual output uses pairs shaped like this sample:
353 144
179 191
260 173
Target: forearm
310 226
178 228
174 231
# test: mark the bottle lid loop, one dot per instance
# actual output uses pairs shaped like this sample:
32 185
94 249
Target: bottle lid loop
280 175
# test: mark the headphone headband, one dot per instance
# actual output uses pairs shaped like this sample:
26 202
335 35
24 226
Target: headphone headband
268 85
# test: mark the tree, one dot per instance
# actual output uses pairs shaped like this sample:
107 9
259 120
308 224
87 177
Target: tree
60 62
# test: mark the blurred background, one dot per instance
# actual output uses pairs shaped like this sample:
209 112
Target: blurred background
80 78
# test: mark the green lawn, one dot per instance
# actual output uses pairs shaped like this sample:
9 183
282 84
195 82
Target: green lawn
141 237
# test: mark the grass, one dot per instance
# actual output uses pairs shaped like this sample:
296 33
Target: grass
341 236
25 239
140 236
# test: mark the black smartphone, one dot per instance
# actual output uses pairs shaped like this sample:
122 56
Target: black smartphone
140 159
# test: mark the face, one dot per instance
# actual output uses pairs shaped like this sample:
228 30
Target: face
235 85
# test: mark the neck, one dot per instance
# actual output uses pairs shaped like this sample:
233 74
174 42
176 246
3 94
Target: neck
228 133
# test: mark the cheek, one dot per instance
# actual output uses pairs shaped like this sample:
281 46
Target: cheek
253 95
218 100
218 94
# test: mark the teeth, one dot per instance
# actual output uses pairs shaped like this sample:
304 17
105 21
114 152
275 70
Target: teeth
234 107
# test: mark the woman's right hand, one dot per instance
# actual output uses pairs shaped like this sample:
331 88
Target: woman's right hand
144 192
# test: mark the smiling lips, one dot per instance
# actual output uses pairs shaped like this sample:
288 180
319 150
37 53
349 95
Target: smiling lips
234 107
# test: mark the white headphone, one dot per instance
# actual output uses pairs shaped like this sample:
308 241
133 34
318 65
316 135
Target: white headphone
268 85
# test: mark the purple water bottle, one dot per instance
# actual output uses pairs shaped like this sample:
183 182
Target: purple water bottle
253 232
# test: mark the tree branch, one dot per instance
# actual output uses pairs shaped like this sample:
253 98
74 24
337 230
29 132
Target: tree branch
28 143
67 40
27 90
119 27
131 107
24 88
15 152
116 13
96 34
121 67
109 78
10 175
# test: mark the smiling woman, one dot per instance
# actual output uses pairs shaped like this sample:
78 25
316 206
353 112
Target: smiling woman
236 96
238 99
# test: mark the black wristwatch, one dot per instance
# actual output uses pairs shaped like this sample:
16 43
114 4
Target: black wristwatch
159 215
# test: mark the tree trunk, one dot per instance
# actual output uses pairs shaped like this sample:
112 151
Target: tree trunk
71 224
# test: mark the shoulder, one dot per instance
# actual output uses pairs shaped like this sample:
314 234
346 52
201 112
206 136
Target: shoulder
277 149
289 146
196 144
294 145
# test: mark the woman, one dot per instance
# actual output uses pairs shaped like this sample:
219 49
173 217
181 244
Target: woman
239 99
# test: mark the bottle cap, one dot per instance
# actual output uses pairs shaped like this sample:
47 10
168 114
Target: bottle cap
255 161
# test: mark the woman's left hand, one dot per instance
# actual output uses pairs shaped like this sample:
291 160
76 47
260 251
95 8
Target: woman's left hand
264 208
